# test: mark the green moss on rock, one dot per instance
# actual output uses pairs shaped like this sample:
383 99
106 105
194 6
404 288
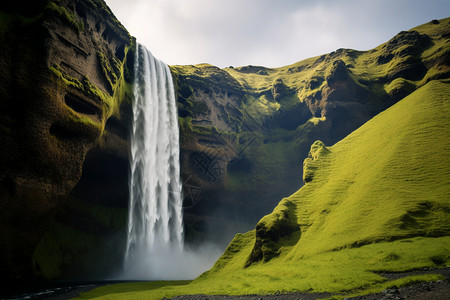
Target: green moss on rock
314 160
66 15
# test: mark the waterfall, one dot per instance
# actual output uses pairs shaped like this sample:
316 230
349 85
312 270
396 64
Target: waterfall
155 221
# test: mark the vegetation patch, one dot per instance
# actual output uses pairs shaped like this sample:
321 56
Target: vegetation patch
111 73
66 15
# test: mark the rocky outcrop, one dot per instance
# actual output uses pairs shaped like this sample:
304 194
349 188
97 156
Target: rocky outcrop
64 92
404 50
314 160
274 231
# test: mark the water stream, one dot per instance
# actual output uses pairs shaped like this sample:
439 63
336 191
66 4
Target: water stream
155 220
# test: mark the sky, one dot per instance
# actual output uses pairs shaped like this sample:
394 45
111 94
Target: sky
271 33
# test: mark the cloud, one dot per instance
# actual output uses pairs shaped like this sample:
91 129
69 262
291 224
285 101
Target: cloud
265 32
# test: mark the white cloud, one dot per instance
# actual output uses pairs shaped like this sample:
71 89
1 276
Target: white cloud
265 32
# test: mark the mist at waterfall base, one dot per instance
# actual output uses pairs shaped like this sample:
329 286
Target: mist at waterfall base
155 247
171 264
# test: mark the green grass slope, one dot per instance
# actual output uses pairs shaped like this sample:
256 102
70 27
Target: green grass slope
389 179
376 201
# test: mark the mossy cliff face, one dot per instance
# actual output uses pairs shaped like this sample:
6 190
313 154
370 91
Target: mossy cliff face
245 131
64 93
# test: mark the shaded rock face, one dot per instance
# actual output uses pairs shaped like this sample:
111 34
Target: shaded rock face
209 106
342 101
206 153
61 62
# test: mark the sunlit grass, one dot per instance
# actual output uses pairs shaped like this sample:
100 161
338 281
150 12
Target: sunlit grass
132 290
336 272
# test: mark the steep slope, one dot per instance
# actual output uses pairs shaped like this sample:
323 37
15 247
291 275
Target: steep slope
247 129
388 180
375 201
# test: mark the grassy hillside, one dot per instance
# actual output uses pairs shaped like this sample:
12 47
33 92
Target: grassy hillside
260 122
389 179
376 201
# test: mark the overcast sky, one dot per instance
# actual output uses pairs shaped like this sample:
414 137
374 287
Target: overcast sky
270 33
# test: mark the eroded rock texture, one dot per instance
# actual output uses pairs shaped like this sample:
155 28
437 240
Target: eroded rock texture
63 93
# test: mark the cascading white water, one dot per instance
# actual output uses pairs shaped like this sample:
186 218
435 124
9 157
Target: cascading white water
155 221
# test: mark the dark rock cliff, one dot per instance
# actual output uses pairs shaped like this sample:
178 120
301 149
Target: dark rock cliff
64 93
